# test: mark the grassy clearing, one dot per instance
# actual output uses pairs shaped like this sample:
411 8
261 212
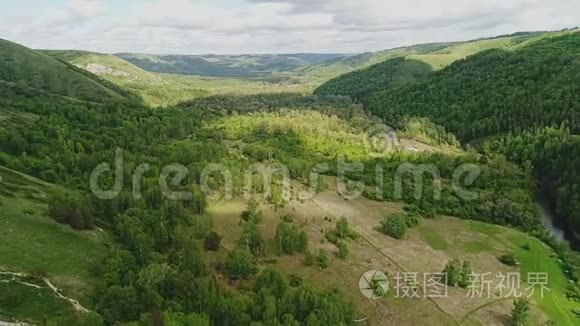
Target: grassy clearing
226 86
433 238
476 246
314 217
540 258
32 242
429 247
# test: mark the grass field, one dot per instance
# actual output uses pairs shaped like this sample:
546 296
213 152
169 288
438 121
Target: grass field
428 248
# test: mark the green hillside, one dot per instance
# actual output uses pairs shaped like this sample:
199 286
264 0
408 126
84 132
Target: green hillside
365 80
154 89
29 68
325 71
499 92
35 250
495 91
392 73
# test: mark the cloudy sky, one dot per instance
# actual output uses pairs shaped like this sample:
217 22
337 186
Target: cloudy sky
270 26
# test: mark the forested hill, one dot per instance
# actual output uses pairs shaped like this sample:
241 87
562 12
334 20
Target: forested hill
244 65
359 80
390 74
511 97
326 71
31 69
496 91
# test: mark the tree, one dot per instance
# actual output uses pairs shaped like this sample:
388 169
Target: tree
520 312
394 226
343 230
118 303
212 242
174 318
252 239
458 273
12 142
241 264
342 250
251 214
71 209
272 280
290 240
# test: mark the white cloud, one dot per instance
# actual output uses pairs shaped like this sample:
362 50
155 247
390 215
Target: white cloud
236 26
86 8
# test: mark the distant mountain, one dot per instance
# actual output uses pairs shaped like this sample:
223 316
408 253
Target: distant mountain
323 72
243 66
27 68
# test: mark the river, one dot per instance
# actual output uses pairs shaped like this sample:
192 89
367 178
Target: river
553 224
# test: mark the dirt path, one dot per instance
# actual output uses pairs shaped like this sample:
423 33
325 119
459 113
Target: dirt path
5 323
474 311
370 242
15 278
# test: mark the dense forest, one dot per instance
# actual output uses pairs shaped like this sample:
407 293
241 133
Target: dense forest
155 271
501 92
387 75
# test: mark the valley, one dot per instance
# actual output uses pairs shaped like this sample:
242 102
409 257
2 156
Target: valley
258 189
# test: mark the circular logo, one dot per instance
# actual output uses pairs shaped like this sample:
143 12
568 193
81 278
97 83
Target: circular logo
380 139
373 284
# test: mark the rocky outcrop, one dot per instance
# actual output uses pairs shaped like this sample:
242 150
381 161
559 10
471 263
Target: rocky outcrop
99 69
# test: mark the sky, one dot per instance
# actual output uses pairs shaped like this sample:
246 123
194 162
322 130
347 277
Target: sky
270 26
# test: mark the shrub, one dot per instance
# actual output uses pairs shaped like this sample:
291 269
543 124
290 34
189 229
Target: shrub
458 274
322 259
520 312
509 260
212 241
290 240
296 281
73 210
394 226
241 264
252 239
342 250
